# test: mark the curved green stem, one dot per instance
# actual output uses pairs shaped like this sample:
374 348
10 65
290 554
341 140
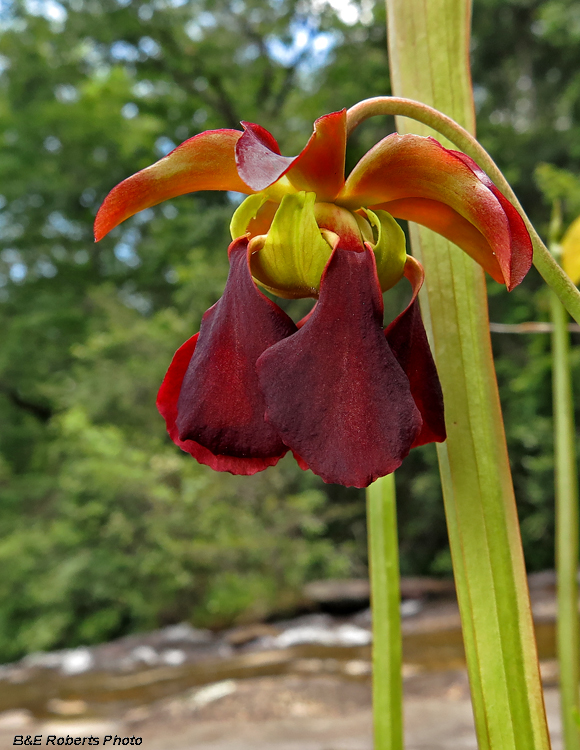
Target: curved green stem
553 275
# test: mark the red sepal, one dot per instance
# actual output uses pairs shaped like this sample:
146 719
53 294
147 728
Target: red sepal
167 405
204 162
516 266
408 341
407 174
334 390
318 168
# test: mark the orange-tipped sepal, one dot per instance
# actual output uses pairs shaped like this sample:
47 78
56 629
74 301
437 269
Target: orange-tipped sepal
205 162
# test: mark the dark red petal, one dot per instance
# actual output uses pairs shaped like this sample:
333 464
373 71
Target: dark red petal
516 266
258 159
408 341
210 396
167 405
220 404
334 390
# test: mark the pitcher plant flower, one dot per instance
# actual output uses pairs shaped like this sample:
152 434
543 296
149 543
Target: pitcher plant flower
349 397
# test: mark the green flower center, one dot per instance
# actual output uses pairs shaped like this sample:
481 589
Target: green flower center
292 240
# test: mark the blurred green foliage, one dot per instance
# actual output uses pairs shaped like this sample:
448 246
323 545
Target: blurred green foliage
105 526
559 185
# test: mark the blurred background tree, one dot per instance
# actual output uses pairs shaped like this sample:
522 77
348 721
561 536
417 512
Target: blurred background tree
105 526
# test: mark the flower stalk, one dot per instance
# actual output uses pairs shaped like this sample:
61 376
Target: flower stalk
566 490
429 62
568 641
386 609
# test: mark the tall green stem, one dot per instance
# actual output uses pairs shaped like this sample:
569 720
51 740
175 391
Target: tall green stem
385 599
429 48
566 525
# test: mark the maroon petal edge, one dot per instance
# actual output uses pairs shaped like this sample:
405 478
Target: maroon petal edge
300 461
167 406
520 260
407 338
210 397
334 390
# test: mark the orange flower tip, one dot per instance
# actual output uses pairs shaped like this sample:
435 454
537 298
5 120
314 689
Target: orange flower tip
102 225
205 162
